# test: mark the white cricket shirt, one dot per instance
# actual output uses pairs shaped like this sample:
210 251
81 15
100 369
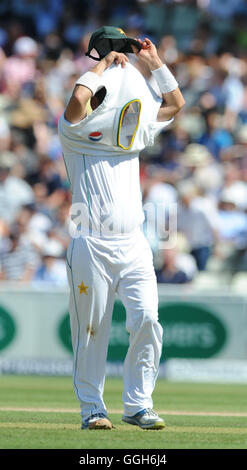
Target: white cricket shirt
101 154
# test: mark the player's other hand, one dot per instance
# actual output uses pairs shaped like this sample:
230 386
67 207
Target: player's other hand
149 54
116 57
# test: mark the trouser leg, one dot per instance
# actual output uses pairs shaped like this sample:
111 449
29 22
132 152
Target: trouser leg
91 305
138 292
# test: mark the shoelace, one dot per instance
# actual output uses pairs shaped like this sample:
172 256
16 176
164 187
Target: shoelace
98 415
150 412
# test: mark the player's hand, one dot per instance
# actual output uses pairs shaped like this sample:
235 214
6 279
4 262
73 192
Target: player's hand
149 55
108 60
116 57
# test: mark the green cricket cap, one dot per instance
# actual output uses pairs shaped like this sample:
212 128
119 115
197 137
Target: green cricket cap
109 38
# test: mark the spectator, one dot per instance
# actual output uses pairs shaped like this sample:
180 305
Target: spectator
216 137
234 185
171 272
52 268
18 260
33 226
14 192
193 223
21 67
232 220
200 167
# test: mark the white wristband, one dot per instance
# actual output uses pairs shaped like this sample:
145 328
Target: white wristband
90 80
165 80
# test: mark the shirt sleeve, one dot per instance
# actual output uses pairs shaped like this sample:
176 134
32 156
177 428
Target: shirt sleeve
155 128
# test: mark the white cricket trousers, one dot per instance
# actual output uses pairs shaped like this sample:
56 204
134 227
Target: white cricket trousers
98 269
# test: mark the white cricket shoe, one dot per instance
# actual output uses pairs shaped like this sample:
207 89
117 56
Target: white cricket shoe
97 421
146 419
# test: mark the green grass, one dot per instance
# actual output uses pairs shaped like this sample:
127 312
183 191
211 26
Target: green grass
54 429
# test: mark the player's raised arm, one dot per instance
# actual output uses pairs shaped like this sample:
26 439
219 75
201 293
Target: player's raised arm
88 84
173 99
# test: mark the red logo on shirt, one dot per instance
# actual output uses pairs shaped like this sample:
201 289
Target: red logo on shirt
95 136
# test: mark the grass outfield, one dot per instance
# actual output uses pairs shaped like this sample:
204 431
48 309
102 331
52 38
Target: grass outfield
43 413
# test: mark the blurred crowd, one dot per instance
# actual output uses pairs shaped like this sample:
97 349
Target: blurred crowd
198 166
